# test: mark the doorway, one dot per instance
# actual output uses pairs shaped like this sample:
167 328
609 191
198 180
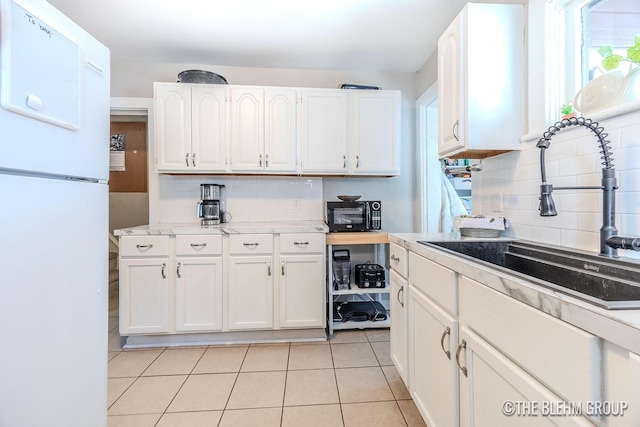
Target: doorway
429 169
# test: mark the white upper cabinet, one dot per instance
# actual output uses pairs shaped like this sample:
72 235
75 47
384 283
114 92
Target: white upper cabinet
201 128
375 127
263 130
190 127
350 132
324 124
481 82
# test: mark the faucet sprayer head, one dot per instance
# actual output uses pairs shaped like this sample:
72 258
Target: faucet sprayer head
547 206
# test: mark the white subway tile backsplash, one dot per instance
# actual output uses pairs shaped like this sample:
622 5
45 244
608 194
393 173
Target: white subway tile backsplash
249 199
573 159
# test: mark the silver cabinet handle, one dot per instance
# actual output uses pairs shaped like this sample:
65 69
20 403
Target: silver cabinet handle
444 334
193 159
178 270
398 296
266 160
269 268
144 246
164 266
462 345
186 159
456 125
395 259
198 245
260 160
357 162
252 245
344 162
282 266
301 243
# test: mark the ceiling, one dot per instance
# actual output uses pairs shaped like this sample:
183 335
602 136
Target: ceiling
361 35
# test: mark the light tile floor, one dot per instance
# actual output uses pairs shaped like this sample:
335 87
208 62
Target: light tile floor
348 381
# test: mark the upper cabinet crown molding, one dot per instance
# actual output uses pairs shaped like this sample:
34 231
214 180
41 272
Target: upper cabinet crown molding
204 128
481 82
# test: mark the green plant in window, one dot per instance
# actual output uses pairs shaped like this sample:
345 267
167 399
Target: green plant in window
611 60
567 108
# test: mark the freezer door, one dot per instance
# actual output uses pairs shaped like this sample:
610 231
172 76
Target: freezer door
54 93
54 303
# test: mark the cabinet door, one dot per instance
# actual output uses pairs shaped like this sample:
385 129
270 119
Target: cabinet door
247 129
433 374
324 131
209 128
172 123
198 294
399 345
144 296
375 125
301 291
280 130
450 121
492 381
250 292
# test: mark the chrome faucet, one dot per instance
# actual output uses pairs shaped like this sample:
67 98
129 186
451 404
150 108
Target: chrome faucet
610 241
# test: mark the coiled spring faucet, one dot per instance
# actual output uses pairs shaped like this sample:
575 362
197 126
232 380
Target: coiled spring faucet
610 241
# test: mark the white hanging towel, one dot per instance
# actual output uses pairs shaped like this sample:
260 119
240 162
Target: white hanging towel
451 205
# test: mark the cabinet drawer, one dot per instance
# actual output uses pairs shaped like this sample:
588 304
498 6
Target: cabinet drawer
144 246
564 358
301 243
437 282
199 245
247 244
399 259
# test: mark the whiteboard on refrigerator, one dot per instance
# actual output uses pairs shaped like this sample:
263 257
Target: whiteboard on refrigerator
40 68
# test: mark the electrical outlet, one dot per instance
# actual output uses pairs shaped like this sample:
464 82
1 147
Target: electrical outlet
296 204
497 202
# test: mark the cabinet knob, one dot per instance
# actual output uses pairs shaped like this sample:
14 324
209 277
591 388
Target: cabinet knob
178 270
357 162
186 159
282 266
143 247
193 159
162 271
395 259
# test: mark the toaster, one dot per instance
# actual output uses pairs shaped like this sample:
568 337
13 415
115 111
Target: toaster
370 276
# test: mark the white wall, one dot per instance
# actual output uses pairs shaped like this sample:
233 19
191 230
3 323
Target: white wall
396 194
572 159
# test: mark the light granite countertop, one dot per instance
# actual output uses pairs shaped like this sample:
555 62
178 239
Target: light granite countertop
621 327
226 228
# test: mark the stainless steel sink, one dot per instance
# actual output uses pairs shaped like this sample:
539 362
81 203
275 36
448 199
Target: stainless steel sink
610 283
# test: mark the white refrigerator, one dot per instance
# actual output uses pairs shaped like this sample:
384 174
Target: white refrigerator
54 146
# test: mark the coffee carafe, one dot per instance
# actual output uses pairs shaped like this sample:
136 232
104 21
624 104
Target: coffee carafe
212 207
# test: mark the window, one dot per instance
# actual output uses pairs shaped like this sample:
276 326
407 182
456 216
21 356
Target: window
582 28
612 23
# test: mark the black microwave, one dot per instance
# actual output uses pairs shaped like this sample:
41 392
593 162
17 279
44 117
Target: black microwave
354 216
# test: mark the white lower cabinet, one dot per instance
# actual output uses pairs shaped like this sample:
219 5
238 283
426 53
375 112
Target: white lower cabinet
250 292
198 294
433 373
398 336
190 284
144 285
144 296
478 357
301 290
496 392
